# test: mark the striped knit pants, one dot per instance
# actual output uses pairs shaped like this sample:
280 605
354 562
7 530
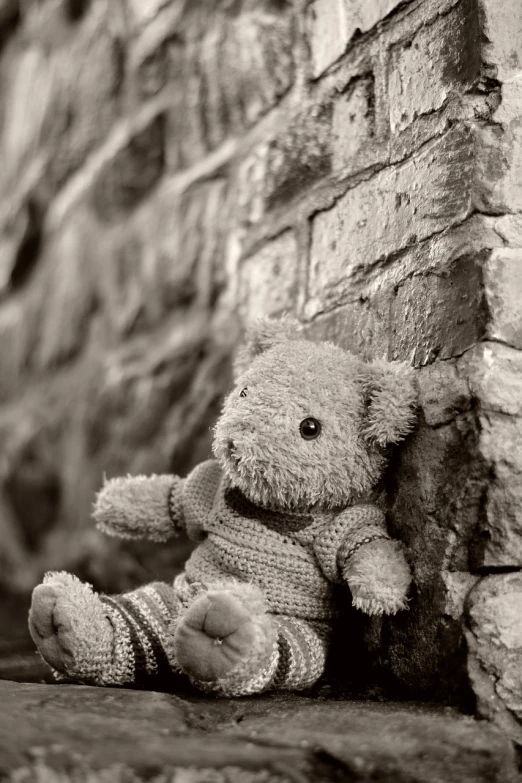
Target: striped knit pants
141 620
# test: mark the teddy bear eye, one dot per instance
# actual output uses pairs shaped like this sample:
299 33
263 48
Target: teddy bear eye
310 428
243 392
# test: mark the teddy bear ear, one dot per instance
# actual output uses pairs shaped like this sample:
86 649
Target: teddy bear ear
390 394
263 334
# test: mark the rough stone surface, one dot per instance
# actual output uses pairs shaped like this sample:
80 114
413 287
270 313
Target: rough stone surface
439 315
503 289
496 649
442 393
398 207
300 155
48 729
353 124
333 24
503 29
494 372
275 261
425 70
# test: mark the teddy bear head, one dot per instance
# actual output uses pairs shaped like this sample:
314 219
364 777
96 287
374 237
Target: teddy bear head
308 424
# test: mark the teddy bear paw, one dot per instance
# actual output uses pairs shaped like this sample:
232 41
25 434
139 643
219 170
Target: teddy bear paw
225 639
386 601
68 625
379 577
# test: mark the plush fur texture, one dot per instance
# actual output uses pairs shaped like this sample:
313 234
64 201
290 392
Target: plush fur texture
136 507
362 408
280 514
378 577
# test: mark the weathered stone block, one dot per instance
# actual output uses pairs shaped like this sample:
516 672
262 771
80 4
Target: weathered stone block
333 23
499 155
501 529
17 337
502 21
268 278
131 173
399 206
362 327
108 732
169 258
251 186
435 486
442 393
299 156
257 62
438 60
62 95
353 120
503 289
494 374
67 292
20 243
227 75
144 11
495 642
439 315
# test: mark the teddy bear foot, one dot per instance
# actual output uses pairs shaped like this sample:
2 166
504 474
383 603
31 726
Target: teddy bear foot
226 642
69 626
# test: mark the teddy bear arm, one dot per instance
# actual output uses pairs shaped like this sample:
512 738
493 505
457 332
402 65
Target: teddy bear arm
342 535
201 492
148 507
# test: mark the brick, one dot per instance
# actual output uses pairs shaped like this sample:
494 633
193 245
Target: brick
166 259
362 327
353 120
436 497
502 21
436 62
228 76
18 329
268 278
131 173
494 373
67 296
503 289
439 315
256 61
20 243
442 393
499 155
300 155
61 99
143 11
458 585
399 206
251 186
333 23
501 529
495 650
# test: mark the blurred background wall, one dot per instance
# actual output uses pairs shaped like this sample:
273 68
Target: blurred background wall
170 168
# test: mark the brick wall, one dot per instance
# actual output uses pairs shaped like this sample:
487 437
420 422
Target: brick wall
170 166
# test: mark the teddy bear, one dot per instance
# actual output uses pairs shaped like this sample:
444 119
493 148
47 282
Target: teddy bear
283 512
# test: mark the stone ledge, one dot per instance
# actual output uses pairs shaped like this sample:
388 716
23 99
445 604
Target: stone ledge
131 735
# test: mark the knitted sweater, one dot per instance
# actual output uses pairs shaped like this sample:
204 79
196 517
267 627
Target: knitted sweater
294 558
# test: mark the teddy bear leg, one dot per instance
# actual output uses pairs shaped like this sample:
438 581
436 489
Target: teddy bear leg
227 643
103 640
302 649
